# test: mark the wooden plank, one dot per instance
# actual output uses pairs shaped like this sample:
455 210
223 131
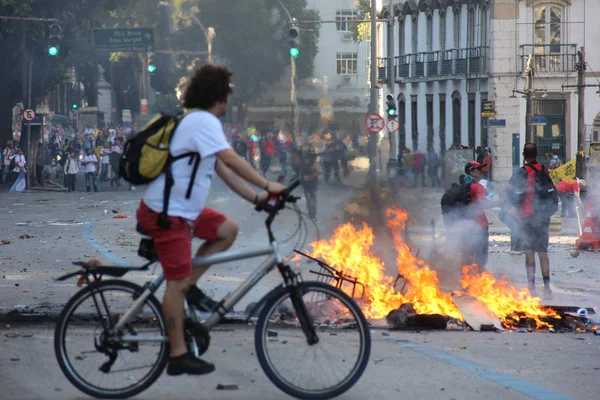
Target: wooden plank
476 313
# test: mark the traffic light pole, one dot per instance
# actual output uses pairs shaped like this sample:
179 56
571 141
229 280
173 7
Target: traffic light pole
373 106
294 98
30 77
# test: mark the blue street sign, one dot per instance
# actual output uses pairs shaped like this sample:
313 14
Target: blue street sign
36 121
497 122
539 120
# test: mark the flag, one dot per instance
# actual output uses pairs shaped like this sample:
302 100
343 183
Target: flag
19 185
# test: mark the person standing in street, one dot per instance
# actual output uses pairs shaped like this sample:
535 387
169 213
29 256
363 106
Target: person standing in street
534 227
115 155
20 165
476 234
71 169
568 191
105 156
7 155
433 164
89 163
309 178
47 163
419 161
554 160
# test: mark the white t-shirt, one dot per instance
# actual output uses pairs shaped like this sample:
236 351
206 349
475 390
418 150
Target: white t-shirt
19 160
91 167
105 153
201 132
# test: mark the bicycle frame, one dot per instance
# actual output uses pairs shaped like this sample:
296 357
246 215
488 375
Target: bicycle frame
274 258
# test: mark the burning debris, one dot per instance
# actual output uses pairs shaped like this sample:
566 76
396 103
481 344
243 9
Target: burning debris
346 261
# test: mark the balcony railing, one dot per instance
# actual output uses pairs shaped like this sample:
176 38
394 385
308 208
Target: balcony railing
438 64
550 58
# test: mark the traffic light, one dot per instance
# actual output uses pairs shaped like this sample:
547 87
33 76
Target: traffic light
54 37
151 64
391 106
294 41
74 106
151 68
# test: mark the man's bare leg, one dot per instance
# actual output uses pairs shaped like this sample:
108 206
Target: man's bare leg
226 235
530 268
545 267
174 314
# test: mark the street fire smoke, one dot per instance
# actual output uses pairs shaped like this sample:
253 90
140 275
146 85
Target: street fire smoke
349 251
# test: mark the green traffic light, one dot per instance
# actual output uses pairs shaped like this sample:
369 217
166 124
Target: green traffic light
294 52
53 50
391 111
151 68
74 106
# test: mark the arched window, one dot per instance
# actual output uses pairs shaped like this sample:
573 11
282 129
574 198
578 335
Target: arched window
456 28
456 109
415 34
401 37
429 32
471 28
442 31
483 24
402 121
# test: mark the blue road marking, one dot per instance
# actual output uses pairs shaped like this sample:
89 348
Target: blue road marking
87 234
510 381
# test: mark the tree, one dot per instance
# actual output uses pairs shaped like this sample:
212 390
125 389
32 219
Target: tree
251 38
361 31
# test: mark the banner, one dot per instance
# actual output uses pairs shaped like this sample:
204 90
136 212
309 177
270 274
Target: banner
19 185
565 171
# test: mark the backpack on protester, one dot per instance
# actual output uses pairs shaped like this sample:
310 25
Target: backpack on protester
455 204
147 155
545 201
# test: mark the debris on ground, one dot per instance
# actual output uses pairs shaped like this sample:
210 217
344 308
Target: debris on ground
230 386
25 236
4 241
120 216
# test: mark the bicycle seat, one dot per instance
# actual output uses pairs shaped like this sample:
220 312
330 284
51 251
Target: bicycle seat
141 230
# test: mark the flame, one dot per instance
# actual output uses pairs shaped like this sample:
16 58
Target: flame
349 252
503 299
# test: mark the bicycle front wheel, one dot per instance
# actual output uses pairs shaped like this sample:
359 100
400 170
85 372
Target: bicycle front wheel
322 370
94 357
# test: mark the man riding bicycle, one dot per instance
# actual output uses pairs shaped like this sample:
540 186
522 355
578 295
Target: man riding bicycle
200 131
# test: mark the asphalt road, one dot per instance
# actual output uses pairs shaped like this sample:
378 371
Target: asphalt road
403 365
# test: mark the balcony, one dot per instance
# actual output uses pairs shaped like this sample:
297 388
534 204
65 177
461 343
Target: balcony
550 59
468 63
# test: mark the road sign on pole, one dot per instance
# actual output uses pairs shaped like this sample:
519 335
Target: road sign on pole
393 126
135 40
374 123
488 109
28 114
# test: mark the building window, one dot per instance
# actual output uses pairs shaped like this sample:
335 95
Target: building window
429 33
442 31
415 35
429 110
456 129
414 122
471 28
548 19
401 37
342 17
442 124
402 121
456 28
347 63
471 112
483 24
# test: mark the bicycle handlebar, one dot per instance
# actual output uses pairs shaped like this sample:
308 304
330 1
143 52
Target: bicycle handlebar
277 202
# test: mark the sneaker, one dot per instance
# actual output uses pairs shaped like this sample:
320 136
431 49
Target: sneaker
188 364
199 300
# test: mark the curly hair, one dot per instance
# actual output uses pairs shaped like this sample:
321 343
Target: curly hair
209 85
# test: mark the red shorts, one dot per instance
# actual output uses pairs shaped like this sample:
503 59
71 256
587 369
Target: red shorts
174 245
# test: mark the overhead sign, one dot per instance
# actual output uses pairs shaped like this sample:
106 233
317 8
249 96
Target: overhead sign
488 109
326 109
497 122
28 114
539 120
139 40
393 126
374 123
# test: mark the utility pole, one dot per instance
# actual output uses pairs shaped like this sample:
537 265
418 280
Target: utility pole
373 106
528 105
581 67
392 136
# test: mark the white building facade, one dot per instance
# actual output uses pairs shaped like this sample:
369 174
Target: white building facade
442 59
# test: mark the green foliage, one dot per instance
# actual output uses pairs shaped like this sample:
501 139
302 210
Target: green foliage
361 31
167 103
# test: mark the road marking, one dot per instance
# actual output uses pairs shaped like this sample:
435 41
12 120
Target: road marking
510 381
87 234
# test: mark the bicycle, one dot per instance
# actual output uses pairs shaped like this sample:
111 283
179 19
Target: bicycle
294 314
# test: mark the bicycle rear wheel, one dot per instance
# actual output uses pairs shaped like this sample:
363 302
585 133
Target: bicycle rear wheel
84 341
322 370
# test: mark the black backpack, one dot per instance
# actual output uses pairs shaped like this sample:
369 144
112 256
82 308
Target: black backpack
545 201
455 204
